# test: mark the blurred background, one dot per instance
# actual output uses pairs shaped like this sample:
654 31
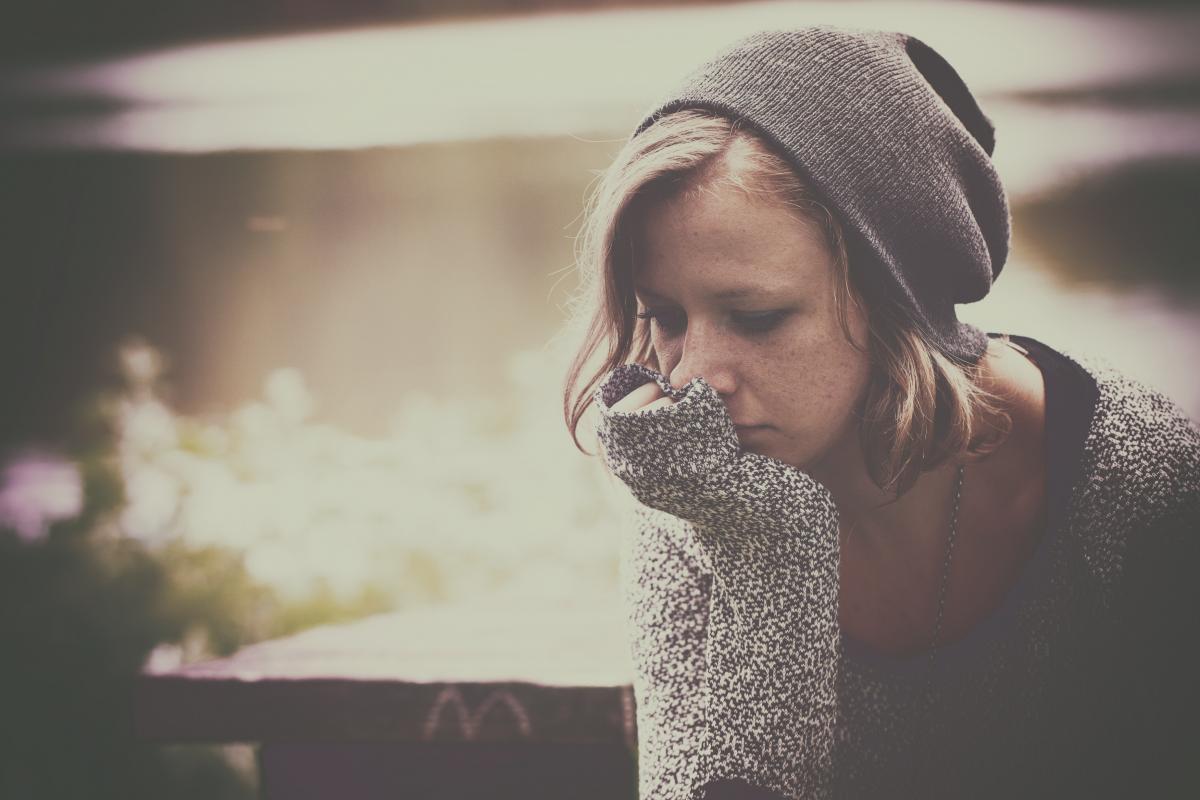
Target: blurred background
285 286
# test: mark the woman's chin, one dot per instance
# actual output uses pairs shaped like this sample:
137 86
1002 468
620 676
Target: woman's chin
766 448
749 435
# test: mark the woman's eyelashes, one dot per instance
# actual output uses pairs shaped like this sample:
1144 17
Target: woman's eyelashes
672 321
759 322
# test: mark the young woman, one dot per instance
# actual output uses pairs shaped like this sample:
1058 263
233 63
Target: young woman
877 552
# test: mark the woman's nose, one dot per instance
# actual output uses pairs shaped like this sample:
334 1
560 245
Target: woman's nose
706 356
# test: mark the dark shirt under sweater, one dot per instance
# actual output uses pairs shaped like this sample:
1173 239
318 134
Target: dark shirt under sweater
1080 683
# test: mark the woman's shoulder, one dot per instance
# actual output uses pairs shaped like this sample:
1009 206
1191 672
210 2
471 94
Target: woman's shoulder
1138 483
1139 433
1125 463
1114 434
1130 422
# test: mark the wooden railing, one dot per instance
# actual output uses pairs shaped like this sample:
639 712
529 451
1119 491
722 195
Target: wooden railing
521 698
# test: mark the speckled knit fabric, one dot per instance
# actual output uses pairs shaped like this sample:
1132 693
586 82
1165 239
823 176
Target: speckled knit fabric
730 579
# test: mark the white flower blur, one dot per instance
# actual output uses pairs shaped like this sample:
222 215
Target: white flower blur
465 496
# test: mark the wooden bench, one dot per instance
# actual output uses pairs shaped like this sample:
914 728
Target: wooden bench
520 697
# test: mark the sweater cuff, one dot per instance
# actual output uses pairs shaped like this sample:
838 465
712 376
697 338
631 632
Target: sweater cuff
689 441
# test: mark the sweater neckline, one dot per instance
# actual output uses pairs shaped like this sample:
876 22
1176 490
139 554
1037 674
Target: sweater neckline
1071 395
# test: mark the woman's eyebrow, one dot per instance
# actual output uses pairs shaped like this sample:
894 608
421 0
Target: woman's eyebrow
741 292
735 293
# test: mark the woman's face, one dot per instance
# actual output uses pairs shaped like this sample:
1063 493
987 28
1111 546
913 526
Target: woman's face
742 292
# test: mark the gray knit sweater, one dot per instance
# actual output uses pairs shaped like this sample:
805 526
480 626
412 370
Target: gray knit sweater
1082 683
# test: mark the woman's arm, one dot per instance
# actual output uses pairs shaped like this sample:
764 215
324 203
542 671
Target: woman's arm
1159 655
666 593
1125 724
741 688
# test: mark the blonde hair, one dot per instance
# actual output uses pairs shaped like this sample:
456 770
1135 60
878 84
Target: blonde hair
921 407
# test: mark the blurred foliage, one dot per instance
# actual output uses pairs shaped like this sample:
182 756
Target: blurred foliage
84 607
195 537
1129 226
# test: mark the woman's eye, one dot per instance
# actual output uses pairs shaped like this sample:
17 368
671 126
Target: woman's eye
668 321
759 322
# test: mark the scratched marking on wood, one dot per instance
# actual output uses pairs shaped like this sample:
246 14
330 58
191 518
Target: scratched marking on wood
469 723
514 670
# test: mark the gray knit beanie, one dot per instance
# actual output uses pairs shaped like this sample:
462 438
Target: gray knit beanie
892 142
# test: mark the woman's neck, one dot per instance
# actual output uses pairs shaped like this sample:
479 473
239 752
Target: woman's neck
915 518
919 516
894 556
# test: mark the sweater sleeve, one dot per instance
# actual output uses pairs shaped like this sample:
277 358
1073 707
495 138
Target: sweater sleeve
735 613
1159 657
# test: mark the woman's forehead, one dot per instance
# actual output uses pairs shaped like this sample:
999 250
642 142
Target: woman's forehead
726 246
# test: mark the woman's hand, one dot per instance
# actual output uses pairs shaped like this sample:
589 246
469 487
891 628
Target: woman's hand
677 451
646 397
664 443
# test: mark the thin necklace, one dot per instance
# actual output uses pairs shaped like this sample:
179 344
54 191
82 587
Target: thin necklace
937 627
926 746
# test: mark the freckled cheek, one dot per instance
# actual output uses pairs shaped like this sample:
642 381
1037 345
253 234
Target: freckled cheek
821 385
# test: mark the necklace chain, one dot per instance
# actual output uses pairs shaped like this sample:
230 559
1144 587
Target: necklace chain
941 609
937 627
926 742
